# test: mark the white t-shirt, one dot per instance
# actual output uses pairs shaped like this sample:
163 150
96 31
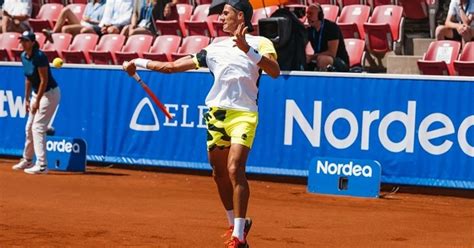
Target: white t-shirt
235 76
454 8
18 7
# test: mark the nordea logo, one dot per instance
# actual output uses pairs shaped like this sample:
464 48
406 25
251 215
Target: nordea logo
349 169
62 146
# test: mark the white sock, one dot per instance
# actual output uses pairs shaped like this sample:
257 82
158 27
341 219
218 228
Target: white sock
239 224
230 217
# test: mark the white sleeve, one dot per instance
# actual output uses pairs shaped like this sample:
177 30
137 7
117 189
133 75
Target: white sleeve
124 16
107 17
453 6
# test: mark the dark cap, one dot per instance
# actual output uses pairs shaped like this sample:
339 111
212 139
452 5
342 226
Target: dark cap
241 5
27 35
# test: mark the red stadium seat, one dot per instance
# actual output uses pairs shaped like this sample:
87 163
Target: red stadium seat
52 1
134 48
261 13
352 19
191 44
200 2
162 48
46 17
8 42
40 38
375 3
383 29
321 1
61 43
355 49
465 64
78 1
439 58
218 31
78 51
200 23
175 26
344 3
415 9
330 11
77 9
104 52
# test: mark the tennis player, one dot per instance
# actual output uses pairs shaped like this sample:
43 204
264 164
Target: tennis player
236 64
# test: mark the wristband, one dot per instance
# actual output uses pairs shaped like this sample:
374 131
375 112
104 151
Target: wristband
141 62
254 56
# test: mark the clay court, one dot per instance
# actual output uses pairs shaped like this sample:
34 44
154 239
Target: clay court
112 207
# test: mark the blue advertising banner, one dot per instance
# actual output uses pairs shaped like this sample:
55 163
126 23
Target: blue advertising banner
420 129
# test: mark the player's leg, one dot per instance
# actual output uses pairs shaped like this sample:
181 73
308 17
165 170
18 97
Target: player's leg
45 112
28 150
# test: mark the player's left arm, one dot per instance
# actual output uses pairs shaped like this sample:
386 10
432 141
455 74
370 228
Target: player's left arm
265 57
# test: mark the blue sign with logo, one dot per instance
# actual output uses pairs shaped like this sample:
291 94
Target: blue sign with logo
339 176
66 154
420 128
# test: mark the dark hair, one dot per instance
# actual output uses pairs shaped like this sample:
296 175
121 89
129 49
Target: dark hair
35 46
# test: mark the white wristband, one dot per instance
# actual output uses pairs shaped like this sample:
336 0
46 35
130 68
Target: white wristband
254 56
141 62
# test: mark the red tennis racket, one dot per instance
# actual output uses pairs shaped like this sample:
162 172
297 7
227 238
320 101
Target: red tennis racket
152 95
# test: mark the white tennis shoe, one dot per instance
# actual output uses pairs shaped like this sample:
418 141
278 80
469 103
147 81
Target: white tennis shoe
23 164
37 169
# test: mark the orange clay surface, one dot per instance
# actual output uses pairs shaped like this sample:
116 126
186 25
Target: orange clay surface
109 207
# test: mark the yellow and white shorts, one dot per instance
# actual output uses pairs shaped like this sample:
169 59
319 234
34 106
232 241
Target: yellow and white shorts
228 126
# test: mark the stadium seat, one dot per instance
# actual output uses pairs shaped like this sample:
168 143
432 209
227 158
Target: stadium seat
200 2
104 52
343 3
52 1
355 49
175 26
78 51
47 16
61 43
200 23
78 1
8 41
384 29
352 19
465 64
134 48
330 11
162 48
439 58
375 3
321 1
40 38
218 31
261 13
77 9
415 9
191 44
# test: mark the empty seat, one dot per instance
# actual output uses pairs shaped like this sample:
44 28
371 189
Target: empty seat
218 31
383 29
61 43
439 58
355 49
78 51
8 41
104 52
465 64
375 3
175 26
415 9
321 1
47 16
261 13
344 3
352 19
191 44
134 48
200 23
330 11
16 52
163 47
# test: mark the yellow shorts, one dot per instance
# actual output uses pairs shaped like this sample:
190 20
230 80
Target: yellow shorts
226 126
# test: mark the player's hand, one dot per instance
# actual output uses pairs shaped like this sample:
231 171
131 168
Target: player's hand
239 40
130 68
27 106
35 107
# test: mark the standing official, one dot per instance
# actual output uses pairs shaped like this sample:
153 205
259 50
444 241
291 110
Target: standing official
45 94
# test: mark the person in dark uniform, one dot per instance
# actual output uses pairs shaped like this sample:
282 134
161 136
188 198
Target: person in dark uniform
327 42
44 92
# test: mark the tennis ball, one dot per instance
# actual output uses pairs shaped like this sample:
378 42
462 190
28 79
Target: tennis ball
58 62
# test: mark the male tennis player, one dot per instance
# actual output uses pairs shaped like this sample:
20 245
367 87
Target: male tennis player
236 64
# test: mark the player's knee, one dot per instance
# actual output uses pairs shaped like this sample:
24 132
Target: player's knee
38 128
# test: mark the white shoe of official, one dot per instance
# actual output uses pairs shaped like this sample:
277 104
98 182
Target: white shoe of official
37 169
23 164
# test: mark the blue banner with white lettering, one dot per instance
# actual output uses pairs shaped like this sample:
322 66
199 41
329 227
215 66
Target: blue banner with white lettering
420 129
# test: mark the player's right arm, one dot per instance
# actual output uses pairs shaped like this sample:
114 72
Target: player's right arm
27 94
182 64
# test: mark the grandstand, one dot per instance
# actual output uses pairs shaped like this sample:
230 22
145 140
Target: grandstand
396 34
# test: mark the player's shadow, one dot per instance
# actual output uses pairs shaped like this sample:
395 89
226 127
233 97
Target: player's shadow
88 173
